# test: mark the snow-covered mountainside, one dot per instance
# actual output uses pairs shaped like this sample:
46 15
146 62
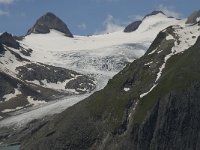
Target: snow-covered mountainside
24 83
107 53
49 58
152 104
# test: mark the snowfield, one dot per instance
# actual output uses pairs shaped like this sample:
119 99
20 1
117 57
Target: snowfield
101 56
107 52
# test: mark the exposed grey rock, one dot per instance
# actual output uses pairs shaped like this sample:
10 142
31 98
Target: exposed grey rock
133 26
2 50
154 13
8 40
47 22
8 84
192 19
26 52
52 74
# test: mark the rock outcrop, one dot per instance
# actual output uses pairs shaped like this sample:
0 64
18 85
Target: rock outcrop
8 40
47 22
133 26
193 18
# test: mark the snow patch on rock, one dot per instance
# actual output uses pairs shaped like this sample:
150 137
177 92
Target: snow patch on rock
7 97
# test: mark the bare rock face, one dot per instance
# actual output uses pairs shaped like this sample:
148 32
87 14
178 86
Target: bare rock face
2 50
193 18
154 13
8 40
133 26
47 22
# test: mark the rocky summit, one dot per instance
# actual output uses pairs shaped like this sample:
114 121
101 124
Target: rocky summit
133 26
8 40
194 17
47 22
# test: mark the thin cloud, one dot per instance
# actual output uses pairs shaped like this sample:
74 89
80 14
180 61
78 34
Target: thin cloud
169 10
6 1
82 26
111 25
4 13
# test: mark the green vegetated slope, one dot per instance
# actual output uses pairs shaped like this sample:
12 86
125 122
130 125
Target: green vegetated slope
114 118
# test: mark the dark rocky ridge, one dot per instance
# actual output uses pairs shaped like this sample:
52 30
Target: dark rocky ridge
8 40
47 22
154 13
192 19
2 50
133 26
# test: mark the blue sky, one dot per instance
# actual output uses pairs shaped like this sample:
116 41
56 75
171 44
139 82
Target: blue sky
85 17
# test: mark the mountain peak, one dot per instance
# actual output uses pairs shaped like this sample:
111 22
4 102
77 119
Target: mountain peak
47 22
194 17
154 13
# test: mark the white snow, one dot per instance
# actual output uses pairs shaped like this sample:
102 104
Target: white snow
152 51
147 64
159 51
12 95
10 110
187 38
198 19
58 86
35 102
9 62
126 89
163 66
144 94
169 37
